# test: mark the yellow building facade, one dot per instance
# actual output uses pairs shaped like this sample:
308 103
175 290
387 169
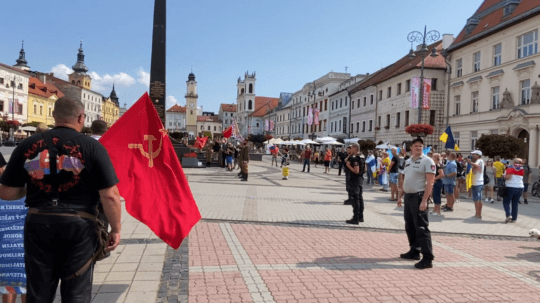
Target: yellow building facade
41 99
110 108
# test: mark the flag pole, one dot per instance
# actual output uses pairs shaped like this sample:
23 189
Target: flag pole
158 64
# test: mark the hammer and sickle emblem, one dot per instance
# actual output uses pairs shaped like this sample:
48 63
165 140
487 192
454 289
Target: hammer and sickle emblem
151 154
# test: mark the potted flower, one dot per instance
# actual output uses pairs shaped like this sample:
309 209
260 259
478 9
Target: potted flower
419 130
377 127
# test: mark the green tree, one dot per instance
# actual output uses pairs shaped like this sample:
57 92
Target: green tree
500 145
366 145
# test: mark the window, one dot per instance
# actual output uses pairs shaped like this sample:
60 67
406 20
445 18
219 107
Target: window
170 123
209 127
1 106
20 86
398 120
357 126
387 121
525 91
365 101
407 118
370 125
456 138
35 109
352 104
528 44
358 102
380 95
1 80
474 98
474 139
346 101
340 102
250 105
379 124
251 88
332 127
457 102
258 124
408 85
326 104
41 110
332 105
50 111
495 97
497 49
339 125
20 111
459 68
433 84
389 93
371 100
432 115
476 62
399 89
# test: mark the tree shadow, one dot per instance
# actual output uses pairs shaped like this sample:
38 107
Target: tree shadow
529 257
355 263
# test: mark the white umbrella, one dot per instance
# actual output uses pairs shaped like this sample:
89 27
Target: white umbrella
28 128
333 143
324 139
353 140
308 141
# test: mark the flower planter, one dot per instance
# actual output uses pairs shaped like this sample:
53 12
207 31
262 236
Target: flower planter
415 135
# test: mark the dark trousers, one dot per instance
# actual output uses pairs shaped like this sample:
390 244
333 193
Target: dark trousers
416 225
347 186
357 199
512 198
370 176
55 248
340 168
306 162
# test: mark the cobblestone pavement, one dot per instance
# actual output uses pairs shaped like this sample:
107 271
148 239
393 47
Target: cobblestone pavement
274 240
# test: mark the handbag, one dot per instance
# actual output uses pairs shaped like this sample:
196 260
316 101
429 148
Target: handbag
502 191
486 178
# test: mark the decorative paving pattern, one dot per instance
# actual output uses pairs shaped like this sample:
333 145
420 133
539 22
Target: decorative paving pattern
174 286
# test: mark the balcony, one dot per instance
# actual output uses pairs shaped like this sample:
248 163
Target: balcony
191 96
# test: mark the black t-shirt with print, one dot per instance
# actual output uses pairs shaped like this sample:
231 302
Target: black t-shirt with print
357 161
81 174
395 165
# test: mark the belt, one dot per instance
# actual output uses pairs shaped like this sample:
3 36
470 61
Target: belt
415 194
79 214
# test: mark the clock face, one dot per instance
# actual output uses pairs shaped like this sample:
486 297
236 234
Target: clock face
191 105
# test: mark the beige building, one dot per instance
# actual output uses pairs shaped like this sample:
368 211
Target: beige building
210 124
493 87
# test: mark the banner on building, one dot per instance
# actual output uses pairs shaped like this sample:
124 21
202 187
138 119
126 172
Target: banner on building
12 270
310 116
415 93
271 125
17 106
316 116
266 125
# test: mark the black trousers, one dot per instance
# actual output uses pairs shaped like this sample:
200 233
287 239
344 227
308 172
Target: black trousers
357 199
55 248
340 168
416 225
347 187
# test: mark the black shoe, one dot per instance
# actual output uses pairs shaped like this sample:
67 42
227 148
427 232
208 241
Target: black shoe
525 201
447 209
353 221
424 263
413 254
243 179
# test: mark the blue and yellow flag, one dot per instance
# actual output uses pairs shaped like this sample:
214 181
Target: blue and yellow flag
448 138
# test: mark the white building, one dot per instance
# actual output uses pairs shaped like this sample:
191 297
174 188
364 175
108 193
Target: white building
250 108
13 82
493 86
340 108
226 114
175 118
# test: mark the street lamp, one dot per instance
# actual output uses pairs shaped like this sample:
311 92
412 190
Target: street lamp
429 37
12 130
313 136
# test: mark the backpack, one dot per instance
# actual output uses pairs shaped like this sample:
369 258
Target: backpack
460 172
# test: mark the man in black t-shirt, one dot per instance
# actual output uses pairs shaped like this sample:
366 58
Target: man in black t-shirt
393 174
347 176
62 194
341 155
356 166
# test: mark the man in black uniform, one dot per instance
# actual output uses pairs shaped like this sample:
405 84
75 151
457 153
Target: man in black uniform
341 155
59 235
347 176
356 166
418 178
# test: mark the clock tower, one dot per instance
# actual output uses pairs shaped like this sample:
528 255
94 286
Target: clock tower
191 104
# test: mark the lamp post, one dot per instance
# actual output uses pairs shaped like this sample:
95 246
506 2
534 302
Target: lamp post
12 129
429 37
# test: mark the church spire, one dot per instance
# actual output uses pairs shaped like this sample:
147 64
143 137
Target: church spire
21 62
80 67
114 98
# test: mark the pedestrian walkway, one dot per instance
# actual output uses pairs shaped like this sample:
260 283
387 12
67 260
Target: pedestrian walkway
286 241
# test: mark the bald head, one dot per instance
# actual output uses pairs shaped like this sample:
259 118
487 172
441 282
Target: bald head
67 110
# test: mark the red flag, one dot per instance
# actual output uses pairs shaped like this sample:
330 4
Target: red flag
151 179
228 132
200 142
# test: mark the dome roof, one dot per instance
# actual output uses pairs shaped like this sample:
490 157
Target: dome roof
191 76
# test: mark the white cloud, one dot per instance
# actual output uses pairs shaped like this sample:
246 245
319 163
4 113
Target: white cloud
144 77
61 71
171 101
101 83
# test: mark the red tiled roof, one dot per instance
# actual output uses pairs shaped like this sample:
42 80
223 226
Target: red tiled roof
13 68
38 88
208 119
404 65
177 109
495 18
264 104
228 107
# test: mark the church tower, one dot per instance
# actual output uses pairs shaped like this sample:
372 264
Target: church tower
191 104
79 75
21 62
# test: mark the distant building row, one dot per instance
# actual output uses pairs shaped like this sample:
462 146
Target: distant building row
29 96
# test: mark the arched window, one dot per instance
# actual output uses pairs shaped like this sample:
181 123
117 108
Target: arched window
251 88
242 92
73 82
78 82
250 104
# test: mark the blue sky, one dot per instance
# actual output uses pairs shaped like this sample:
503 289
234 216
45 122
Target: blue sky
288 43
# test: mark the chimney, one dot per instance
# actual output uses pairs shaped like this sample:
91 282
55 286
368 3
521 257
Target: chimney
42 78
448 39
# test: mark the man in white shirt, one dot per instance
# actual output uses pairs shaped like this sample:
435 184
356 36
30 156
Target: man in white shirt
477 181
